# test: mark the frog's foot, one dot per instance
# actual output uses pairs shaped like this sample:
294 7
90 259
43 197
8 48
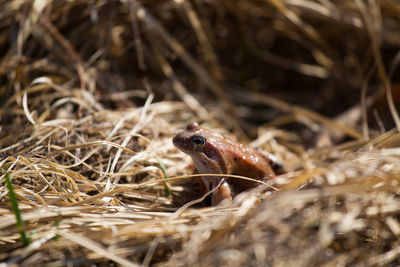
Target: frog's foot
222 192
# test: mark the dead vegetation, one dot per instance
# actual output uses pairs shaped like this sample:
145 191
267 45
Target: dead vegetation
93 91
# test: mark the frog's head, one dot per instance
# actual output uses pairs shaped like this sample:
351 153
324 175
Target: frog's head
203 146
191 141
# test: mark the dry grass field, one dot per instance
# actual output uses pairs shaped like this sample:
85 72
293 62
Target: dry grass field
92 92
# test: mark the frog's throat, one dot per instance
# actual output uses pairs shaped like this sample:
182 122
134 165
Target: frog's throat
206 165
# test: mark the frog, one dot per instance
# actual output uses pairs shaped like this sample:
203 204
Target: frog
213 153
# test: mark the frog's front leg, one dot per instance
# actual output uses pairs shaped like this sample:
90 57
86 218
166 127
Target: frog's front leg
222 192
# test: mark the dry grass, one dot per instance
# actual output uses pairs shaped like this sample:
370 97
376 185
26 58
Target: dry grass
93 91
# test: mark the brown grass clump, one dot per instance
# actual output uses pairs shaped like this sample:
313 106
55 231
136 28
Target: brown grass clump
93 91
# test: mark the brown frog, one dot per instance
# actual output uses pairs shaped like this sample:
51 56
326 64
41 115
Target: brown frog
213 153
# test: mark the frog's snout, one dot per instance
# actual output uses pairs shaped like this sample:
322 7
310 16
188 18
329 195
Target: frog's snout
177 140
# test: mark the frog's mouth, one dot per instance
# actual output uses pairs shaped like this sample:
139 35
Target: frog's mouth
181 143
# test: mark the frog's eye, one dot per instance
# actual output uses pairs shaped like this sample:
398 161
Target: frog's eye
199 141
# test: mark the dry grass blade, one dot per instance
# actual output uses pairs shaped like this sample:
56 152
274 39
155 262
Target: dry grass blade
378 58
323 58
77 61
298 111
179 88
204 77
87 243
137 40
208 51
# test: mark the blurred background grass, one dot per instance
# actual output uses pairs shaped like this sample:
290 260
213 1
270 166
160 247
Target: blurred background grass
315 54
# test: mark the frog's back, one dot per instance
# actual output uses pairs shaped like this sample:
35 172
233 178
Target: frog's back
246 161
